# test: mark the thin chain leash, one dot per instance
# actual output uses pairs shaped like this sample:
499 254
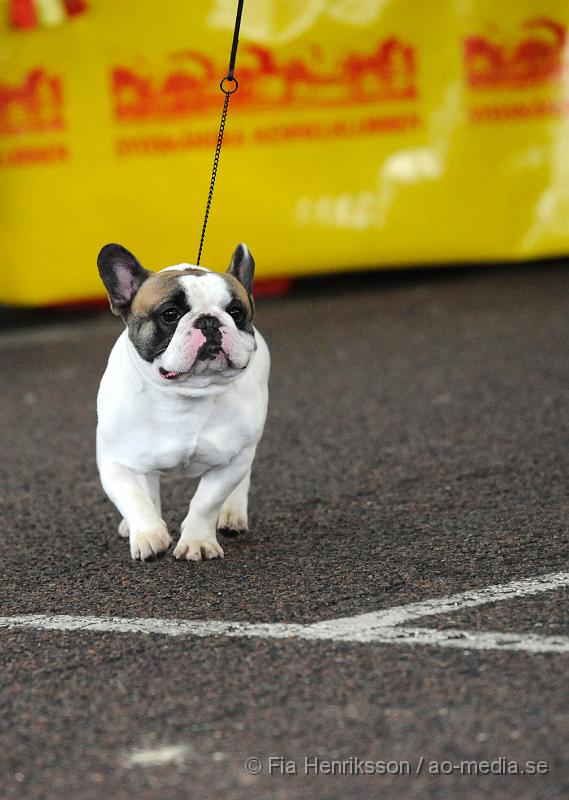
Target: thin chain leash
223 85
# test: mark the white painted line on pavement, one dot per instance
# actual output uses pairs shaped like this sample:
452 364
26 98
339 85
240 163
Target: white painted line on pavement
378 627
463 640
156 756
163 627
388 617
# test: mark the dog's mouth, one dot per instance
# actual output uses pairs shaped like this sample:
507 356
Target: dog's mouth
200 366
170 375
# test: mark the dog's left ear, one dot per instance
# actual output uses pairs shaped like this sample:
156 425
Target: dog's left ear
242 267
122 275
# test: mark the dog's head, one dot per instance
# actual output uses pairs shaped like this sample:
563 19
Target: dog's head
184 321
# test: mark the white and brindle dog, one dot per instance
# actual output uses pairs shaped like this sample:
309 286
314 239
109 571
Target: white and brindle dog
186 384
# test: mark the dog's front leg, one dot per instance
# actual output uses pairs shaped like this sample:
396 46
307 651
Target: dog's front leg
199 539
132 494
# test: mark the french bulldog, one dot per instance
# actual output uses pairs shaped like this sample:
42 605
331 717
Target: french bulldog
186 384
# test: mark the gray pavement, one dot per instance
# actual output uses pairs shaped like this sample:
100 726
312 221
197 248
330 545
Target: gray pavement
416 447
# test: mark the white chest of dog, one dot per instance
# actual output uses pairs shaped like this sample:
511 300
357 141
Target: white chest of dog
186 384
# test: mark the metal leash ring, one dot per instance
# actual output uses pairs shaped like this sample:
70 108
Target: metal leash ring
228 91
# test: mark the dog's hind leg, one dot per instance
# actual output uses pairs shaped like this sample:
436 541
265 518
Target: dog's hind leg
233 516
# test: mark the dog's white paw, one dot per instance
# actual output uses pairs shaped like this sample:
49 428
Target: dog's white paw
232 520
123 529
197 549
148 544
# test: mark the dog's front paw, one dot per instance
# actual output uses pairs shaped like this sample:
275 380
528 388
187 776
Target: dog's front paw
197 549
151 543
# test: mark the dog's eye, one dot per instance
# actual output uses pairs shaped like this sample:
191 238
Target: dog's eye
170 315
237 314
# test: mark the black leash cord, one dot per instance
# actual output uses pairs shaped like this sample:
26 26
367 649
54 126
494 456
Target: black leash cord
228 91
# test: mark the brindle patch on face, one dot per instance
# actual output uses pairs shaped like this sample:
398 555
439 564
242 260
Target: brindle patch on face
149 333
240 295
158 288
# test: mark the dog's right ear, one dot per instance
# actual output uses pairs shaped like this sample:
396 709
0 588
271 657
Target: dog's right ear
122 275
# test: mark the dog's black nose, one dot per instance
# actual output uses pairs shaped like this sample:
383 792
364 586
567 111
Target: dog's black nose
207 322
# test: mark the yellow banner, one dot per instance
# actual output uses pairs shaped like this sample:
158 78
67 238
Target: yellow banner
364 133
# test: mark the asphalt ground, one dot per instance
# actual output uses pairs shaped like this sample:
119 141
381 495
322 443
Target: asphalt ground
415 448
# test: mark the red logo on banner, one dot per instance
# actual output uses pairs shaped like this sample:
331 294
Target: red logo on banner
33 106
535 59
265 82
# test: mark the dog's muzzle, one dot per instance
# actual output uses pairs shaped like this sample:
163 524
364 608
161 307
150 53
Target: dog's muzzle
210 328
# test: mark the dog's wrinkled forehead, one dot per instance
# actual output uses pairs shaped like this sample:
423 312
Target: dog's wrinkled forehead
201 288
